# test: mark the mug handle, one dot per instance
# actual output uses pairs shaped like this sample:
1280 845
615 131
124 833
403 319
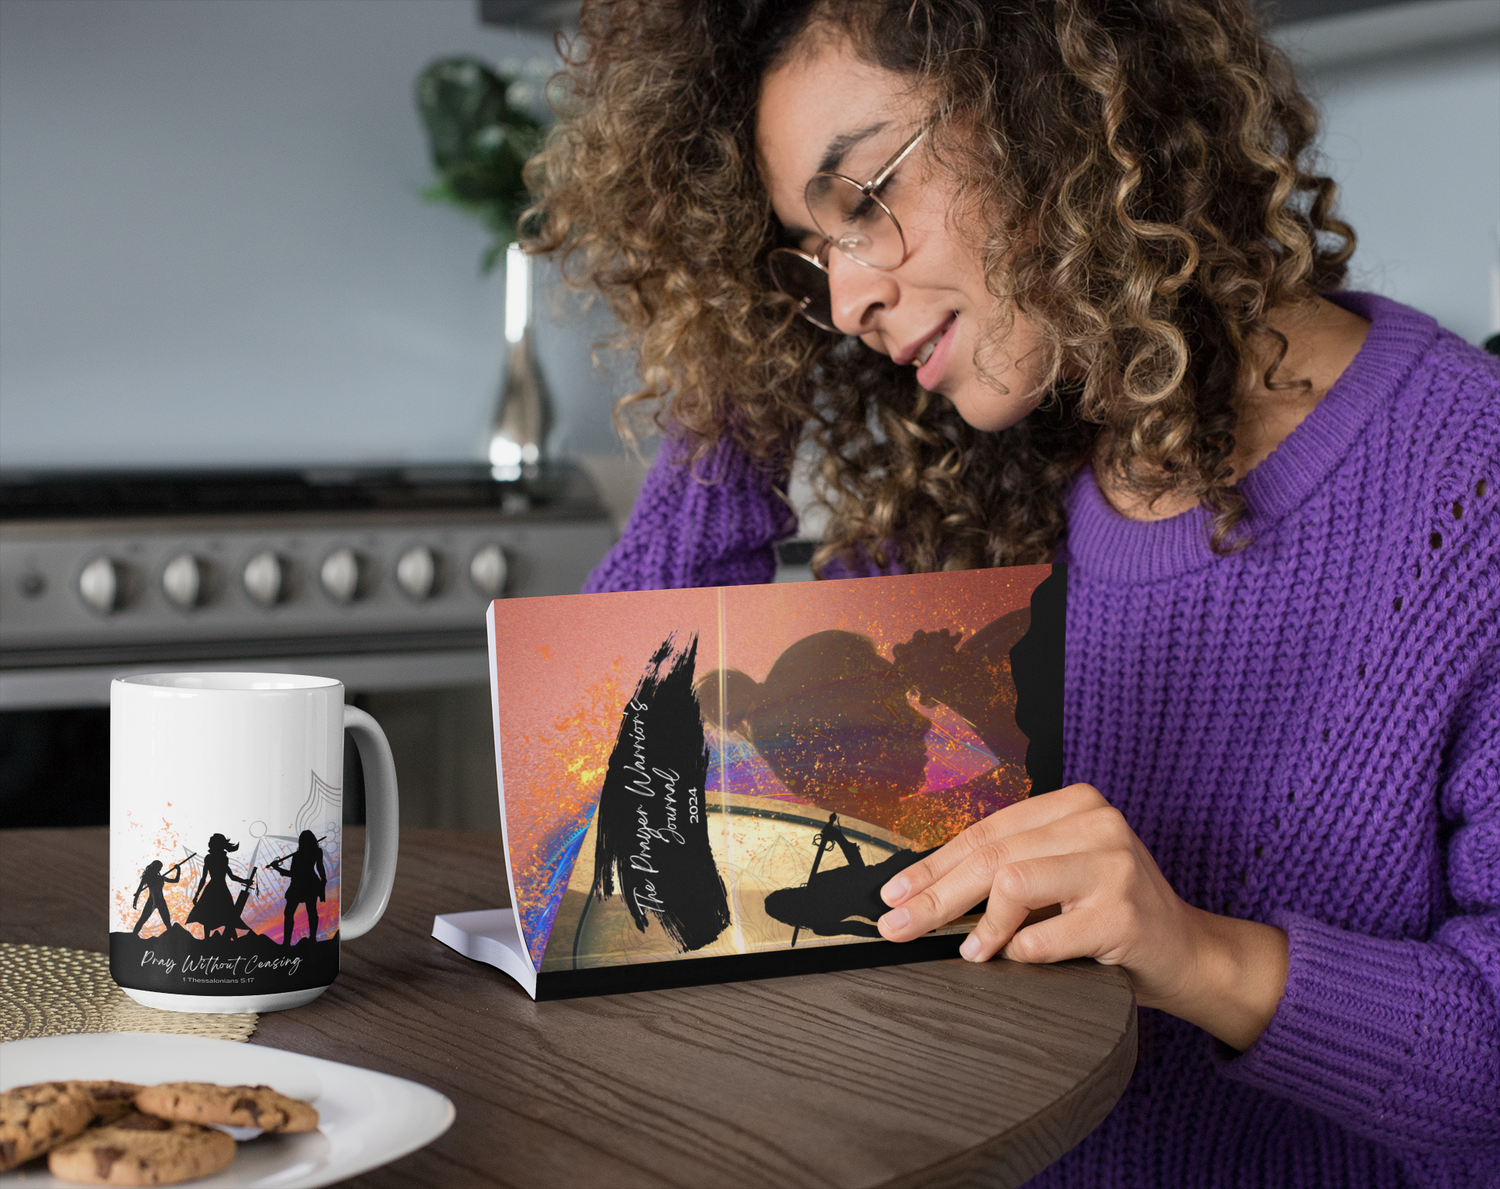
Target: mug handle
382 834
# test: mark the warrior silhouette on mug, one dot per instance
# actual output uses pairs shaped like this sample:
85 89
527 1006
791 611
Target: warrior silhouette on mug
152 880
309 883
833 722
213 907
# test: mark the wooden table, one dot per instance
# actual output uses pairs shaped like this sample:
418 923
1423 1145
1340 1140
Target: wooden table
933 1074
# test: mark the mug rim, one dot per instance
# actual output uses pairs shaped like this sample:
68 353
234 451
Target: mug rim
228 682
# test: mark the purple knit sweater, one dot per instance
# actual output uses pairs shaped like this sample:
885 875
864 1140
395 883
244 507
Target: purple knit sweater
1305 733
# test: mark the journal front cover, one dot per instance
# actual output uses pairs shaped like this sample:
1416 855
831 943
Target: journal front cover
715 783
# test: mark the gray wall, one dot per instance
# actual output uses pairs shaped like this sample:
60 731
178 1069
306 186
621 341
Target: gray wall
212 249
1413 138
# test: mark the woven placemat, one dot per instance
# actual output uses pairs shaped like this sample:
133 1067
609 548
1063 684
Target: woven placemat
56 992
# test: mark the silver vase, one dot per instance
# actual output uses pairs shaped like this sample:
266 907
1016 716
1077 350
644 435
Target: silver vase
523 415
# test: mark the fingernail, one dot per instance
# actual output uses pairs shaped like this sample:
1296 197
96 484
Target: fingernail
970 947
897 918
896 889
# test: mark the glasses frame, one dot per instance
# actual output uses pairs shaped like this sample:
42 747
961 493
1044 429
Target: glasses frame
815 258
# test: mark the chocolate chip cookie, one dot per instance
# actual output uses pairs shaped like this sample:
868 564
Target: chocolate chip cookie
139 1149
112 1100
35 1119
231 1106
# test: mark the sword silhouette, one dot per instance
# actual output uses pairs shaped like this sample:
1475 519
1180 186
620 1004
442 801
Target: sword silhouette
249 884
824 843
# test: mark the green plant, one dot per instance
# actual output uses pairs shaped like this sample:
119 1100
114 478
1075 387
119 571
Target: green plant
479 143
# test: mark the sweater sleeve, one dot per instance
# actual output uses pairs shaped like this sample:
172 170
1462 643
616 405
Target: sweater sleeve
710 524
1399 1040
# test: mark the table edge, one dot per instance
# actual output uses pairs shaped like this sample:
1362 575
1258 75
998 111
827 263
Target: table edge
1000 1160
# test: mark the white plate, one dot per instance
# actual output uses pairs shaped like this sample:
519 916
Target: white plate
365 1119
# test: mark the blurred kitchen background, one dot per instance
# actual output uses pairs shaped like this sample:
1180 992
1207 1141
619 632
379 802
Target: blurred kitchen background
215 258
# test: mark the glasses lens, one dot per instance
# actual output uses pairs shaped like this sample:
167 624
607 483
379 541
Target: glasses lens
802 279
856 223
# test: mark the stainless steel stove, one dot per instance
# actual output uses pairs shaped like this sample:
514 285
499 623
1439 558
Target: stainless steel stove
378 577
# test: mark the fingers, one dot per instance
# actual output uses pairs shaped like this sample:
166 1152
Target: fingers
963 886
1072 850
1034 883
1001 825
992 869
1090 863
985 871
1069 935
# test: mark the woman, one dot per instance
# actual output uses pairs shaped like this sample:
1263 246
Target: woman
153 882
214 907
308 885
1094 316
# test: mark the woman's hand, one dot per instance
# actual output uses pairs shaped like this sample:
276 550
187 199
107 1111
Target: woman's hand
1072 848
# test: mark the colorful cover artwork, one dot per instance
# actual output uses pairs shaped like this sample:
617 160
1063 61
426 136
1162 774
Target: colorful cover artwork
733 773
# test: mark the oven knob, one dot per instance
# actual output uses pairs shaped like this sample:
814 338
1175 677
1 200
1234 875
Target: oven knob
416 571
263 578
182 581
100 584
487 571
340 575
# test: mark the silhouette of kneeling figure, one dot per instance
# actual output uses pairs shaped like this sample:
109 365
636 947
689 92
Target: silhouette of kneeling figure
832 897
152 880
309 885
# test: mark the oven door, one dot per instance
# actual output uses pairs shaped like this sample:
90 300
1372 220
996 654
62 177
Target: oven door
85 601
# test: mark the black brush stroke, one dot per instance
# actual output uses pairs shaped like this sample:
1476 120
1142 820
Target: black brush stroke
653 822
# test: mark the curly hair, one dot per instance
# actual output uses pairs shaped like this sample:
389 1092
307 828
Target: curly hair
1141 171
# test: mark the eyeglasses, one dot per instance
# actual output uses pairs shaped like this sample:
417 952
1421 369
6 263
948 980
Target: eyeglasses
852 218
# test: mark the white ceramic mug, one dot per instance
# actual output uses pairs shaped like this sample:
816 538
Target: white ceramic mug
226 816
